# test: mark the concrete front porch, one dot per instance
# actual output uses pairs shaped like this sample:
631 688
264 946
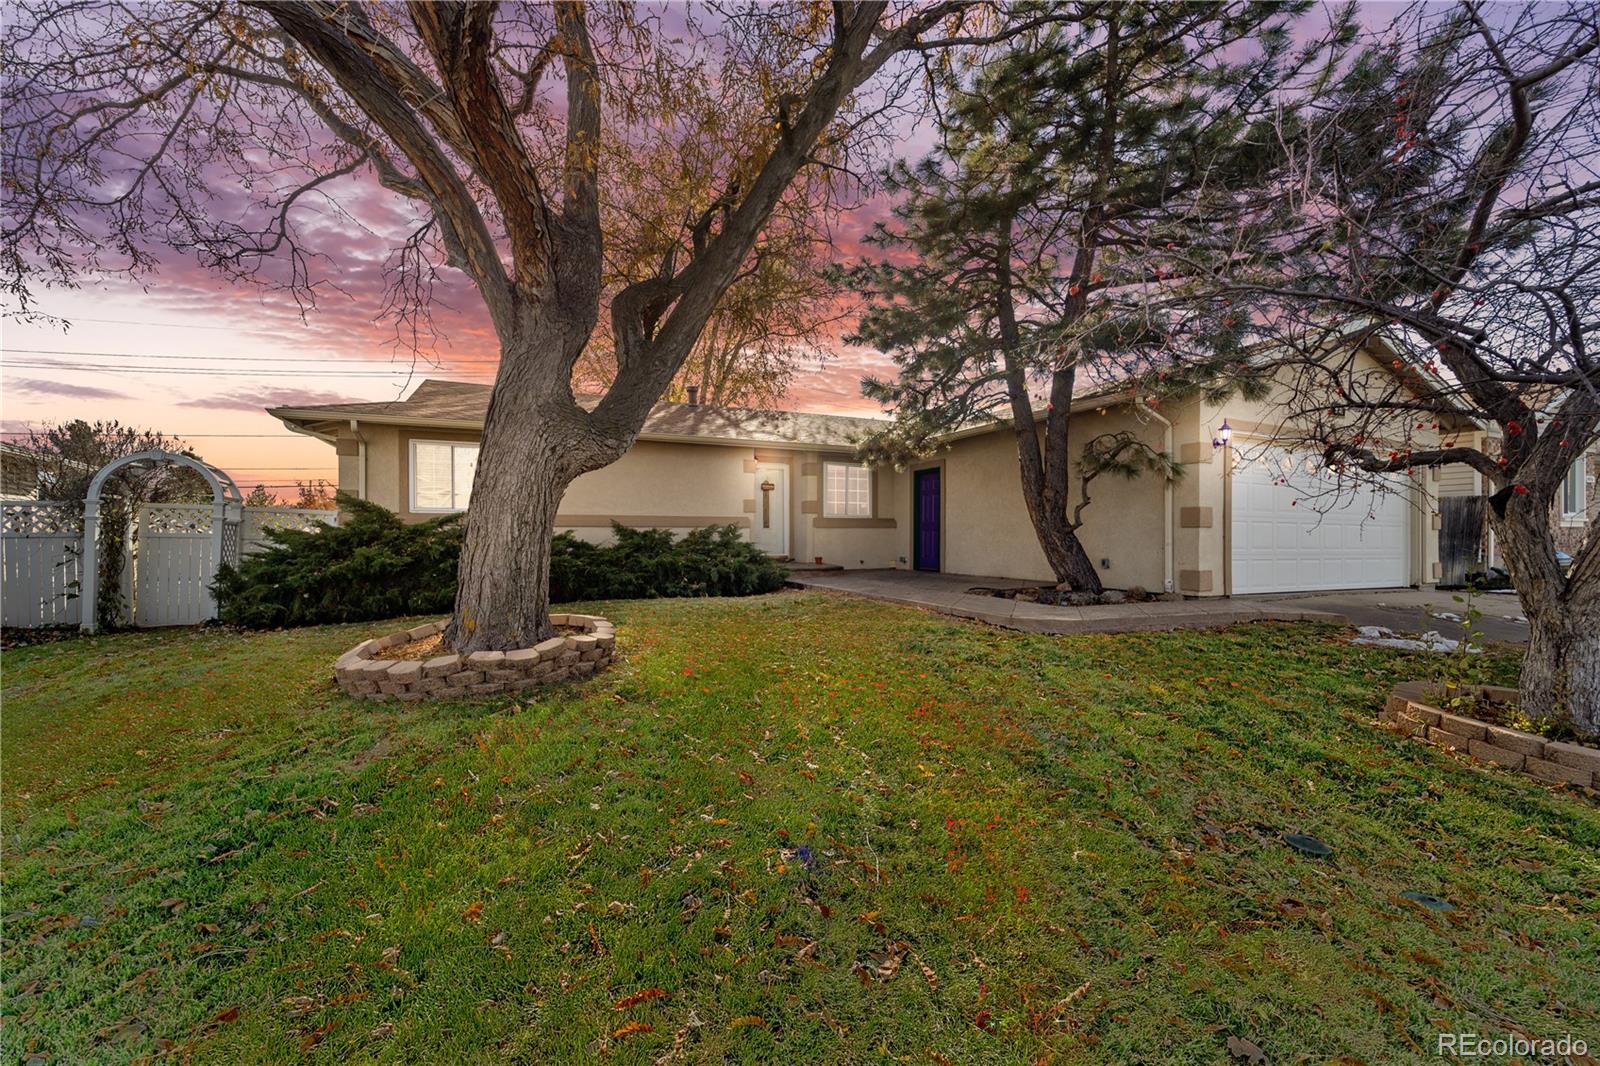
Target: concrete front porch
947 594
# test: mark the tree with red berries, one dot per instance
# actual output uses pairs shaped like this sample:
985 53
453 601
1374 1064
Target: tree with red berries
1441 194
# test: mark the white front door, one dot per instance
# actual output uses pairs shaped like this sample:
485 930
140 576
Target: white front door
771 520
1290 534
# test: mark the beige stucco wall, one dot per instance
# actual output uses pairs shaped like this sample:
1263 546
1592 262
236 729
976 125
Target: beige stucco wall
663 485
706 483
871 543
987 531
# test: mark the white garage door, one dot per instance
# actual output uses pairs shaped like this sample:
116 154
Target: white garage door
1281 543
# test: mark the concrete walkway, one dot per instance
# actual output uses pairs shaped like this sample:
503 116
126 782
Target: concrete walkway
947 594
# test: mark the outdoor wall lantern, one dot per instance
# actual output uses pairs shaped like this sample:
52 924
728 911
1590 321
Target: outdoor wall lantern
1224 435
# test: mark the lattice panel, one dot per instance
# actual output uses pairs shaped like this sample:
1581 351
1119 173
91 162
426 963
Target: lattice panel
36 519
259 520
176 519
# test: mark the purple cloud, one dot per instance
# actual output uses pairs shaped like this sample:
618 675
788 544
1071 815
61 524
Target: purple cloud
258 397
37 387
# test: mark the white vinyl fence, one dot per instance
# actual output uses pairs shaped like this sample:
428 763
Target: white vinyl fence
41 561
258 521
175 564
168 574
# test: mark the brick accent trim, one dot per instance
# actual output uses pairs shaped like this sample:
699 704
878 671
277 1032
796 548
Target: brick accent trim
853 523
1195 580
1195 517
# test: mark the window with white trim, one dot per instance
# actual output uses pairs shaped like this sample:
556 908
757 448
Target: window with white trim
1572 490
846 491
441 475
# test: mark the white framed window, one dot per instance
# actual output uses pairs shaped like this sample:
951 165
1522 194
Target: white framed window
846 491
441 475
1573 502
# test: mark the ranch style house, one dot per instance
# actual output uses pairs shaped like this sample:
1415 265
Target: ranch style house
1242 519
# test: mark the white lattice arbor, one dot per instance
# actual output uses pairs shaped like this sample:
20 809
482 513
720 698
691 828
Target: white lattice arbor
222 529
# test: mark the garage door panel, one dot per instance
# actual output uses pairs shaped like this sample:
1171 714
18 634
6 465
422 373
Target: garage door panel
1282 544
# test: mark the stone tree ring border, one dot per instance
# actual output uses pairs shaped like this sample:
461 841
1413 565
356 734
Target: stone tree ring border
361 674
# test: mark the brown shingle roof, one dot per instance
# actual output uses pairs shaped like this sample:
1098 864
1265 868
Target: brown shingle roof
437 402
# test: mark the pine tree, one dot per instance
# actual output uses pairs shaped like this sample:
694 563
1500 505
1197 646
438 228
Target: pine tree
1066 161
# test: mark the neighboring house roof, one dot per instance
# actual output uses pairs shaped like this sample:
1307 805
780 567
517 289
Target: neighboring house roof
462 405
17 451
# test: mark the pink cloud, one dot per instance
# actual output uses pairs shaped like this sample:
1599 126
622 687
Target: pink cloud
256 399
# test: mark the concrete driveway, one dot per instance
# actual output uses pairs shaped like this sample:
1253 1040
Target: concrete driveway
1411 611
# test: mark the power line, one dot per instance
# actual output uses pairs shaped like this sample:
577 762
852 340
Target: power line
107 368
163 325
227 358
265 436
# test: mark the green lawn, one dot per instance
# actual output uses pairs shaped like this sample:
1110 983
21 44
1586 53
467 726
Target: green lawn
1021 848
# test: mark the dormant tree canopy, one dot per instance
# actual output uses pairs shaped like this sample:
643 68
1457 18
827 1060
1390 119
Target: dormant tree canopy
495 122
1440 192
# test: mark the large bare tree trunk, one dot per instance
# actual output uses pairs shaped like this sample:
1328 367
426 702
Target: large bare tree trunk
503 591
536 441
1561 669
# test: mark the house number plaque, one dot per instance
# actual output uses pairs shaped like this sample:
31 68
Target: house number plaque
766 504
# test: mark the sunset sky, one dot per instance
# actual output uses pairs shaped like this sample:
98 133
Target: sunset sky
189 354
192 355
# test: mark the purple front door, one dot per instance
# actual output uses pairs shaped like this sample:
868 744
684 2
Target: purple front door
925 520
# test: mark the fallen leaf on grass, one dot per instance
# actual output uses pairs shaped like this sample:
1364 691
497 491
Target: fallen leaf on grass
127 1029
984 1020
927 973
226 1015
748 1020
630 1028
1240 1048
301 1004
638 997
474 912
314 1037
